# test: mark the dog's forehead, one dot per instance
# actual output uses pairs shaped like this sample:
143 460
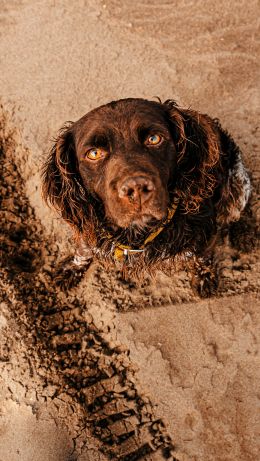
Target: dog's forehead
121 115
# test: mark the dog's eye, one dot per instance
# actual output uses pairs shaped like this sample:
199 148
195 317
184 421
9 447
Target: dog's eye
154 139
95 154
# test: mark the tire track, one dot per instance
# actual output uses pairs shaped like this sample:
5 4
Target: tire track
74 355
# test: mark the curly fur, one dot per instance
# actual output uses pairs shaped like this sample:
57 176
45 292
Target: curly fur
210 180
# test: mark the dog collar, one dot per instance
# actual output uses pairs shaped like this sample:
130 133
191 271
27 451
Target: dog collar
121 251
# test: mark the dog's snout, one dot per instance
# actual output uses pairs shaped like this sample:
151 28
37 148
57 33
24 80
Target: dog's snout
137 188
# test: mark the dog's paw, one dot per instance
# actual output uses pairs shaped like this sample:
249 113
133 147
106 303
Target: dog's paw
207 286
205 280
68 275
68 278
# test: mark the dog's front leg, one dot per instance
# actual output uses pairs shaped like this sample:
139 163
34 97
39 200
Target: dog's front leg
71 269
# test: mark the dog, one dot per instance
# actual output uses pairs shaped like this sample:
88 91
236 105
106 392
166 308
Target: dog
144 183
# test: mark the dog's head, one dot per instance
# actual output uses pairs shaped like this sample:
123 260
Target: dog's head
127 158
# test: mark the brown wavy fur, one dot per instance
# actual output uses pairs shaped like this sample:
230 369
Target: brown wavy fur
62 187
200 181
198 154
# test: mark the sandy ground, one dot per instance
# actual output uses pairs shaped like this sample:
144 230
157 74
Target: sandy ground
69 388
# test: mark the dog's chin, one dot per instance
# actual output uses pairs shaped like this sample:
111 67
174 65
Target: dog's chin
140 222
144 221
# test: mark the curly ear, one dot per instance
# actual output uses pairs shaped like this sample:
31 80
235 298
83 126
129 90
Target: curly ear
61 181
198 153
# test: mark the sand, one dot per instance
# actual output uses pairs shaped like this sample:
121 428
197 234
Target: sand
113 369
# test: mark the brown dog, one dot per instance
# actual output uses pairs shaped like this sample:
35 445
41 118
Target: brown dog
145 182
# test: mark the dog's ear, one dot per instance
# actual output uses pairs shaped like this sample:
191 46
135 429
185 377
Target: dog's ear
62 183
197 144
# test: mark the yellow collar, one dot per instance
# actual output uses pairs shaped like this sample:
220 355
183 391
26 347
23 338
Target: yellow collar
120 250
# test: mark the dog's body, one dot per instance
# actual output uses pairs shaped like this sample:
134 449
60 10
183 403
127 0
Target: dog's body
144 183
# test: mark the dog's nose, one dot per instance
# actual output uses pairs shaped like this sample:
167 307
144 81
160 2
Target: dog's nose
137 188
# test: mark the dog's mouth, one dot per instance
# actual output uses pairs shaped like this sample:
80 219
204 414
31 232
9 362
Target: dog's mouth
139 220
147 220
